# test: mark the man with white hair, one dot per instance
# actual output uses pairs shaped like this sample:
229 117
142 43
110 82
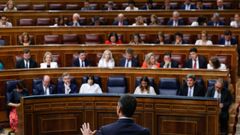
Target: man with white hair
45 87
175 20
215 20
75 20
120 20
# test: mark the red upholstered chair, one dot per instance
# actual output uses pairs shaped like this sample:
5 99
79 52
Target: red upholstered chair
180 58
92 39
23 6
56 6
39 7
52 39
72 7
43 21
26 22
70 39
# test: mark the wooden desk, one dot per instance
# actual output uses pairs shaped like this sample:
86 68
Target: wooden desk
162 115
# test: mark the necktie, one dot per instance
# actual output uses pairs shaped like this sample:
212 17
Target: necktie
190 92
127 64
195 64
26 64
168 65
83 64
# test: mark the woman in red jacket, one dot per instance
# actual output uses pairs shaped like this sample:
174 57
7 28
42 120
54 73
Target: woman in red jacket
113 39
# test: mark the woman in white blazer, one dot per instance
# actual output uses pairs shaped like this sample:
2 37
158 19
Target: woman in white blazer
107 60
47 61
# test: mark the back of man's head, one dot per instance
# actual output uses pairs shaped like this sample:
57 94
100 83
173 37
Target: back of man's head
127 105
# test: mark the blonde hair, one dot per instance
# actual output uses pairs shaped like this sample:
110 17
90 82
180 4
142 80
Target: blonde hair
148 57
105 52
45 55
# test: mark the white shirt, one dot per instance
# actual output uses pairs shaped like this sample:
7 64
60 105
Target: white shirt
190 91
82 63
26 62
86 88
222 67
129 9
67 88
46 90
128 63
200 42
175 23
104 64
8 24
139 25
52 65
227 42
217 95
188 7
151 91
235 24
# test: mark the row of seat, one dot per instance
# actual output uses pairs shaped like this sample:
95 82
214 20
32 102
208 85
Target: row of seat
118 84
94 6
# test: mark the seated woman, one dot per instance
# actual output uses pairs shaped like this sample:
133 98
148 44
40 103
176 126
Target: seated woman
107 60
47 61
150 61
214 63
139 21
153 20
90 86
144 87
131 6
10 6
160 38
136 39
113 39
24 39
204 39
13 101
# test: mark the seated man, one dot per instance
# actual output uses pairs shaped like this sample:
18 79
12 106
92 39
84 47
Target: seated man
26 62
195 61
75 20
45 87
168 62
224 96
87 6
109 6
215 20
129 60
191 88
188 5
4 22
81 61
120 20
175 20
66 86
219 5
228 39
124 125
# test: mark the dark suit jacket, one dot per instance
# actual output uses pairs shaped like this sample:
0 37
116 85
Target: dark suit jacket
125 22
61 88
40 91
80 23
135 62
191 6
233 41
226 97
183 42
76 63
220 23
174 64
198 90
20 64
123 127
180 22
202 62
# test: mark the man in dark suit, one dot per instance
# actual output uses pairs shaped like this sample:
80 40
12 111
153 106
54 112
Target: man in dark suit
188 5
66 86
45 87
224 96
75 20
81 61
178 39
219 5
26 62
228 39
120 20
215 20
129 60
191 88
195 61
87 6
175 20
168 62
124 125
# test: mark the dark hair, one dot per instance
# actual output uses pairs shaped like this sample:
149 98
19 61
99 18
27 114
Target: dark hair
26 51
91 78
113 34
81 51
168 54
129 51
19 85
138 35
127 104
192 76
193 50
178 34
227 32
145 79
215 62
201 20
131 2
